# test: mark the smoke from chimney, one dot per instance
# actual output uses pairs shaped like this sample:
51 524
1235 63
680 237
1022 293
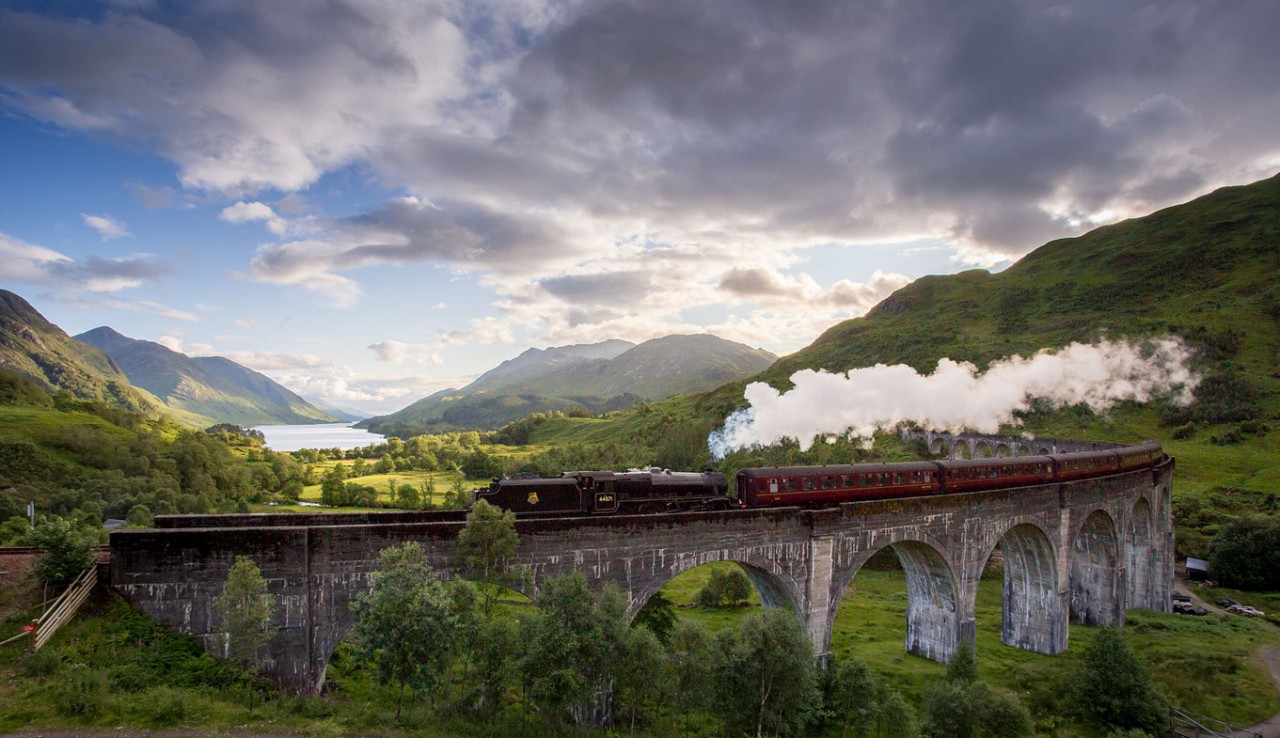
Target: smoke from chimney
956 397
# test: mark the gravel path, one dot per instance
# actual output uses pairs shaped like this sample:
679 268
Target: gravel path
1270 658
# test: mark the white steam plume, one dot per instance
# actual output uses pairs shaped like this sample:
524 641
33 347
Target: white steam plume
956 396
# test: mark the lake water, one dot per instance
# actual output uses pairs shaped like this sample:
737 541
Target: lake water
320 435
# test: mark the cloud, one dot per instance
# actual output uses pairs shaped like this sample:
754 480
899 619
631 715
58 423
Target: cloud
243 95
760 283
24 262
247 212
396 352
105 225
683 155
175 343
277 360
99 302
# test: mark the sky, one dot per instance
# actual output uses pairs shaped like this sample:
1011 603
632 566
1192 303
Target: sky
372 200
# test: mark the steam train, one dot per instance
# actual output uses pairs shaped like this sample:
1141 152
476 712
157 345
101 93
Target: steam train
662 490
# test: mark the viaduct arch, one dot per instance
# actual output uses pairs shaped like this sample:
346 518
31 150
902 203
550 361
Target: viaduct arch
1086 549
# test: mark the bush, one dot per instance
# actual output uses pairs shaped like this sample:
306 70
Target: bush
1183 432
80 694
724 589
165 706
43 663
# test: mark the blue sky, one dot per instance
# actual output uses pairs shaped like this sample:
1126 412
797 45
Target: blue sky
371 201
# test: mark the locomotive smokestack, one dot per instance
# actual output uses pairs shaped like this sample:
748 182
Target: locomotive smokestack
956 396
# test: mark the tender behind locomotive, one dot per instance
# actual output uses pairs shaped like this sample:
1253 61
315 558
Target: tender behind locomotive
606 492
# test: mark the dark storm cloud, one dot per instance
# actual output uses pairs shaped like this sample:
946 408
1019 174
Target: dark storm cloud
614 288
757 283
95 270
542 131
456 233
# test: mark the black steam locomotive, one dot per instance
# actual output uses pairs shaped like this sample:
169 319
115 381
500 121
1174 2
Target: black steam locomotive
612 493
662 490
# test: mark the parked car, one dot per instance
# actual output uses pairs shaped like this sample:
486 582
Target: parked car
1247 611
1182 598
1184 608
1225 602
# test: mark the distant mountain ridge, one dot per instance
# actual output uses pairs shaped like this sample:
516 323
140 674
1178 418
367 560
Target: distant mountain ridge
211 386
33 347
610 375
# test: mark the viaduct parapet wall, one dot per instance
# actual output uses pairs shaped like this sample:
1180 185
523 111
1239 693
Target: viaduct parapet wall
1083 550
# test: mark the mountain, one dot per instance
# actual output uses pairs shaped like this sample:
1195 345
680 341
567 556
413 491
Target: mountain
341 413
211 386
535 363
602 377
654 370
35 348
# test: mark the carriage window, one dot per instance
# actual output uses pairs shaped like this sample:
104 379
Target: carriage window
807 484
773 485
828 482
788 484
899 478
847 480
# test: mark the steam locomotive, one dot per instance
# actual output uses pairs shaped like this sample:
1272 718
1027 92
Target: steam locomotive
662 490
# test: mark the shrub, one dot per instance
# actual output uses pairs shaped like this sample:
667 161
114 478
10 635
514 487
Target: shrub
1183 432
81 694
43 663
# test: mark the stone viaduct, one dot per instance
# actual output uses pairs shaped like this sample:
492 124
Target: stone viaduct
1083 550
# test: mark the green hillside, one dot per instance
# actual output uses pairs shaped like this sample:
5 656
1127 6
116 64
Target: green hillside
1205 270
208 386
44 353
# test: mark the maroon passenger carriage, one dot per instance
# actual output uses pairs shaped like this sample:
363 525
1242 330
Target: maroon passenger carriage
662 490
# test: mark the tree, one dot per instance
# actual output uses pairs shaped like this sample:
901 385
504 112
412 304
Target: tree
1111 689
766 675
407 496
246 610
571 646
333 490
724 588
960 705
498 640
140 517
963 666
894 718
639 659
687 671
658 615
853 696
1246 554
67 550
405 623
486 546
949 711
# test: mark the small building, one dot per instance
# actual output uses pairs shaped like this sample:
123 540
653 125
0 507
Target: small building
1197 569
